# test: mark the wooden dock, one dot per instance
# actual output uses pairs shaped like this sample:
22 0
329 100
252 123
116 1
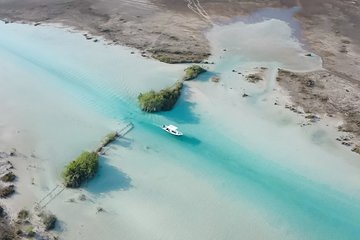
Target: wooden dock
59 188
111 137
56 191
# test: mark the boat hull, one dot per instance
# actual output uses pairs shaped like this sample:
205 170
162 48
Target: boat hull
172 132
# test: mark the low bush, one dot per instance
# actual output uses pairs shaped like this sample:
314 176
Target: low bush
29 232
109 138
81 169
23 214
8 177
193 71
163 100
7 191
356 149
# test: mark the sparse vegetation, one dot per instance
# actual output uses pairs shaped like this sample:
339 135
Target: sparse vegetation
192 72
107 139
254 78
163 58
29 232
160 101
81 169
215 79
7 231
7 191
8 177
23 214
165 99
356 149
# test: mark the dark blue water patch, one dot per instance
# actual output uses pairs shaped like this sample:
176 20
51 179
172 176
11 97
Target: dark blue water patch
109 179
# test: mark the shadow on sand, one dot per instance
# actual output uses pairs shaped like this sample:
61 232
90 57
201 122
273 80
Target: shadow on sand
190 140
206 77
183 112
108 179
123 142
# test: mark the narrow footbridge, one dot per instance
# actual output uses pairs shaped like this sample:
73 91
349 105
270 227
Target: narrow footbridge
59 188
56 191
125 130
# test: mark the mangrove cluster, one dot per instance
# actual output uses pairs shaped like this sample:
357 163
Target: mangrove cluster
193 72
165 99
81 169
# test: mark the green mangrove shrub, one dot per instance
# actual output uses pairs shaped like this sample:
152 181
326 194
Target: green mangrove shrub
81 169
164 100
8 177
7 191
192 72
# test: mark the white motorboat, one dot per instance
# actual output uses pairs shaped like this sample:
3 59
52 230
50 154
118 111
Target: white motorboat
172 130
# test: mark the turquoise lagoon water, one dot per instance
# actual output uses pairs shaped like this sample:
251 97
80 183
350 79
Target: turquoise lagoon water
229 177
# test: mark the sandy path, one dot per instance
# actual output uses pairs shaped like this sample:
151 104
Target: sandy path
195 6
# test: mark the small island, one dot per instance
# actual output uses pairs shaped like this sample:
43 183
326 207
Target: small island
81 169
165 99
193 72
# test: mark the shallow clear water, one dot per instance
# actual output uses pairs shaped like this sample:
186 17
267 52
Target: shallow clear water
229 177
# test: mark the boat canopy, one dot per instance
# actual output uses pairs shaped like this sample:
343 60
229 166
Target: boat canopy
172 127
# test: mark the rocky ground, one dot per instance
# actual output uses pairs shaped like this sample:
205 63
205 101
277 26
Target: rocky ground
325 93
330 29
173 31
27 224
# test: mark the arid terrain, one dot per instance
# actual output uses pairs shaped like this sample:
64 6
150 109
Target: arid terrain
173 31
